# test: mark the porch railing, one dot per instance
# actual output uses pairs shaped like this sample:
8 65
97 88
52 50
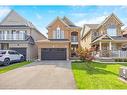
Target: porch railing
119 53
111 53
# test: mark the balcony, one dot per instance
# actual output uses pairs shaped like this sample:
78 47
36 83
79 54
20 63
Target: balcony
15 36
74 39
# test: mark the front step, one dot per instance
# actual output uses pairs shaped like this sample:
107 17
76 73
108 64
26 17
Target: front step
74 58
106 60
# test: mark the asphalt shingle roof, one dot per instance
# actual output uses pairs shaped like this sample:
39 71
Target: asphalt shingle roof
92 26
119 38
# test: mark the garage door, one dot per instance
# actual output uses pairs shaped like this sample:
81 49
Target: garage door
22 51
53 54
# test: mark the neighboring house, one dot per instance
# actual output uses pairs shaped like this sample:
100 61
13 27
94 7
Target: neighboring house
106 38
124 32
18 34
63 40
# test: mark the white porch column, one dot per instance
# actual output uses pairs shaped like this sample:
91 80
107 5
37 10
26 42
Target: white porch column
110 45
100 48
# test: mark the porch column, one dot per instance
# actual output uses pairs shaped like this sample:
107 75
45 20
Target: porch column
110 45
100 48
110 48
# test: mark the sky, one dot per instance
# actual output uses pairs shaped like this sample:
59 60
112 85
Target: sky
41 16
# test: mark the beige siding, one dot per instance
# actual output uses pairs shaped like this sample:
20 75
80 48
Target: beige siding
103 28
37 35
33 52
85 42
18 45
85 31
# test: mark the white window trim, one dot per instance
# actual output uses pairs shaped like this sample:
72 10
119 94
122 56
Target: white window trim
58 34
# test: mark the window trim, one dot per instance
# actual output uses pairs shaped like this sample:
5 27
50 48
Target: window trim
112 30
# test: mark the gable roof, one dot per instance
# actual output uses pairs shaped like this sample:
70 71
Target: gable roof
64 20
92 26
107 18
96 26
101 37
14 19
118 38
57 18
68 22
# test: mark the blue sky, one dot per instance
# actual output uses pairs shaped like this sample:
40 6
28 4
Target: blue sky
41 16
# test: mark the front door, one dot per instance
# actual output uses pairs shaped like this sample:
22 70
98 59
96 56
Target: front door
73 50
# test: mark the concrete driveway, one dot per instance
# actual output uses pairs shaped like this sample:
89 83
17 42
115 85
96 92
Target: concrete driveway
39 75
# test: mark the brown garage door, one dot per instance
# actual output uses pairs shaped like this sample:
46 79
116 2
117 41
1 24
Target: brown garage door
53 53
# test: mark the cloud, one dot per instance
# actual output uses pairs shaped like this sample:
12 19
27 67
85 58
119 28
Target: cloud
95 20
56 12
39 16
79 14
4 11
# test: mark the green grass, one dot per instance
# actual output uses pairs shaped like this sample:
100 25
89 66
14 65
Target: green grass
13 66
97 76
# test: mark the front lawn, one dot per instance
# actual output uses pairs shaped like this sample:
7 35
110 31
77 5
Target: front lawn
13 66
97 76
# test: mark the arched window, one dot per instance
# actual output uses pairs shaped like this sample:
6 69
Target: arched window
111 30
58 33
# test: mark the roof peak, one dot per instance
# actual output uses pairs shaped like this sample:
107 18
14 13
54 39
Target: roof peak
108 17
13 18
65 20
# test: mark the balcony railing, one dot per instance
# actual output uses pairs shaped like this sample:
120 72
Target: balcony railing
74 39
13 36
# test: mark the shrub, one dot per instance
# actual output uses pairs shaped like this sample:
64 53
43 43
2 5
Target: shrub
120 60
125 60
85 54
117 60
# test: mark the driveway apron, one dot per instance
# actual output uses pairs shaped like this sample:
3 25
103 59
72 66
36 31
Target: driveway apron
39 75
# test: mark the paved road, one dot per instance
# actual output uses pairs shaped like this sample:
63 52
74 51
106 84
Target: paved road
39 75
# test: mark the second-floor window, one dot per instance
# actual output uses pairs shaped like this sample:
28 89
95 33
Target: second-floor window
74 37
58 34
12 35
111 31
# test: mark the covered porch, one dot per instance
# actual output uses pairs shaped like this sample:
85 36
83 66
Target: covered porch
110 49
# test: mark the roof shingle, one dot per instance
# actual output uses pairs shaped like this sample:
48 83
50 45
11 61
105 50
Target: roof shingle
92 26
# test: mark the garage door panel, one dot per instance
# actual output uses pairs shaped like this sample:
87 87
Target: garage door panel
22 51
53 54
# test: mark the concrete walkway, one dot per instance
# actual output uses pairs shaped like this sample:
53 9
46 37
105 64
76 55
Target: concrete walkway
39 75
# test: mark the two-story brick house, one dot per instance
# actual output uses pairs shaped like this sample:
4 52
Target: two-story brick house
18 34
105 37
63 40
